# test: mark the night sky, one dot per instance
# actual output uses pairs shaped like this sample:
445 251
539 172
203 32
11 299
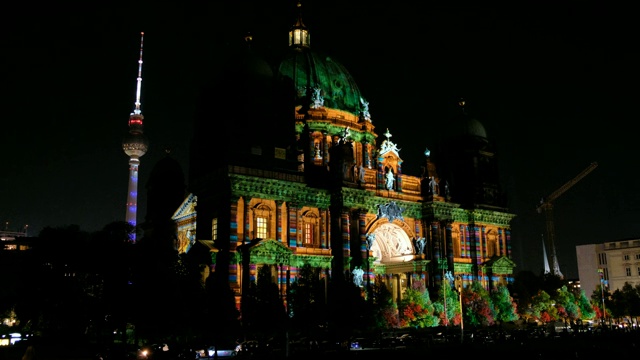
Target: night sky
552 82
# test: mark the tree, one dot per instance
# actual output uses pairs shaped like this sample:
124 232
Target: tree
220 314
477 306
108 269
384 309
163 281
587 312
448 305
265 316
526 284
552 282
52 299
567 305
625 301
635 304
599 298
306 301
505 307
415 309
542 307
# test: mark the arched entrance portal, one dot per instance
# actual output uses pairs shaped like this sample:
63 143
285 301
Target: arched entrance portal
394 254
391 245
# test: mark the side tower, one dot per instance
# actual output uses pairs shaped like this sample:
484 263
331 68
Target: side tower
135 145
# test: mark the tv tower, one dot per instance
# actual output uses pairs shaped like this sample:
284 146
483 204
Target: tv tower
135 145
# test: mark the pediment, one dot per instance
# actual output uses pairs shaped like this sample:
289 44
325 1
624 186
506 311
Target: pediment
270 246
501 265
187 208
269 252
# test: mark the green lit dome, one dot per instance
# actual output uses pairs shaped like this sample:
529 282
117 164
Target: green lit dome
309 70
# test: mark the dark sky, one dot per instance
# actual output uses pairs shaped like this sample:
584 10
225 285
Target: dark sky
554 83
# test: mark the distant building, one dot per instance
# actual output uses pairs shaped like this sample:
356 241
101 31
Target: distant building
14 240
619 262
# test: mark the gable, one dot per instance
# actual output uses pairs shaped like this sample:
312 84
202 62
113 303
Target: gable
501 265
269 252
187 209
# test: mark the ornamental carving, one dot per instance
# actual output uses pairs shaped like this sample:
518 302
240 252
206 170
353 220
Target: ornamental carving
390 211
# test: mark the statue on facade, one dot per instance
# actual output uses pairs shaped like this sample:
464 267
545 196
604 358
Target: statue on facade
449 276
390 179
433 186
317 99
370 238
365 109
357 276
388 145
391 211
345 134
419 245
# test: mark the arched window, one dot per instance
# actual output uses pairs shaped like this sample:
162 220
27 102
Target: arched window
492 244
455 240
310 229
261 216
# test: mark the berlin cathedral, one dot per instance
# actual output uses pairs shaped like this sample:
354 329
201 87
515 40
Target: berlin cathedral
295 173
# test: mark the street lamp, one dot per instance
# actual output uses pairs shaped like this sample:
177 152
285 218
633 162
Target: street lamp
442 264
601 272
459 287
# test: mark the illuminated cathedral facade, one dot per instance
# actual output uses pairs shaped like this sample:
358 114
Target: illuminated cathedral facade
308 179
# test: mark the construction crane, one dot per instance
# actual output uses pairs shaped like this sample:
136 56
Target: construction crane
546 205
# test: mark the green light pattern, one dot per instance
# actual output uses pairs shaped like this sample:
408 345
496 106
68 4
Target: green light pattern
313 70
273 252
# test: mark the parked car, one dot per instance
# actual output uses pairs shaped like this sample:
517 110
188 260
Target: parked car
361 343
209 352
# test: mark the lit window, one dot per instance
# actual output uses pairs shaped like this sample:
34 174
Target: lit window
261 227
214 229
308 233
309 226
261 218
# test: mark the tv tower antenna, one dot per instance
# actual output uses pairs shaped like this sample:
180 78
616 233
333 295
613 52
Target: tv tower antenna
135 145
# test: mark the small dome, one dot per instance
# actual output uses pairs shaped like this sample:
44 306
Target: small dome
242 83
472 127
312 70
465 126
251 65
245 70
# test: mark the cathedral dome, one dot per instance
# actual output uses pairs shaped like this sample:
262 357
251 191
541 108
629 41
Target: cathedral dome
242 83
467 127
251 64
308 70
244 75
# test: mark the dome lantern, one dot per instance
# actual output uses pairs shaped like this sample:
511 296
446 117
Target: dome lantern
299 36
